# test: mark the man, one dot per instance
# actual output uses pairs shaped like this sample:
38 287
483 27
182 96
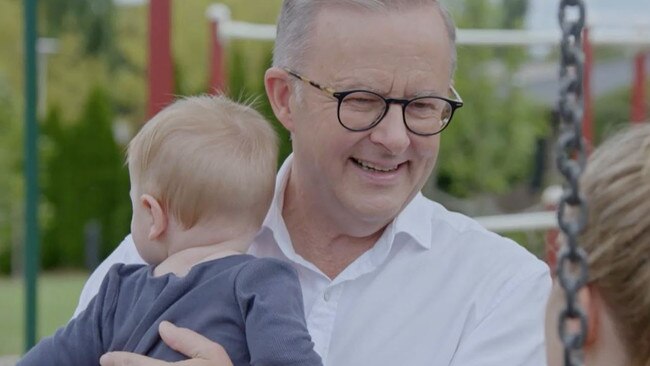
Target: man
388 277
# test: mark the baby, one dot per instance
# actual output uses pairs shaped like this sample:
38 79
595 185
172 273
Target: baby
202 179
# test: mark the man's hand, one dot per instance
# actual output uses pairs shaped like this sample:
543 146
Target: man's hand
200 350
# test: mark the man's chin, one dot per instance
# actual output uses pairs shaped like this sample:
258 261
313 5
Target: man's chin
377 215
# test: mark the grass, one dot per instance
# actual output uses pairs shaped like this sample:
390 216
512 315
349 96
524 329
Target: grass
57 298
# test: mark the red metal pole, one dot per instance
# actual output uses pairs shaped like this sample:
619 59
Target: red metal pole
587 118
161 73
639 108
217 64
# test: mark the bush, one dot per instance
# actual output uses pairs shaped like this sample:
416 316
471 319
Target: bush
10 173
85 181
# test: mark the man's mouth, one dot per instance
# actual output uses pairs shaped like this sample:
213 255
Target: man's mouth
368 166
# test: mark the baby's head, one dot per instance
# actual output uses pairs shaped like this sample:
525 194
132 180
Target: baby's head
201 159
616 186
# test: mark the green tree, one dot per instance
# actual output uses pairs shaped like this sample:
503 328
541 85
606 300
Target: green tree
488 147
611 113
85 181
93 19
10 175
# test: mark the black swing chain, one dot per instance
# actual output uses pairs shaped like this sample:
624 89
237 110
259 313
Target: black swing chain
571 156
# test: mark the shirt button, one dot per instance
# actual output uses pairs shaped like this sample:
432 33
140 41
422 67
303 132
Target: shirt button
326 295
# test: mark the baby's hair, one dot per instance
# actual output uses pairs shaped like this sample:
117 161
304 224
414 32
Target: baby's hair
206 156
616 185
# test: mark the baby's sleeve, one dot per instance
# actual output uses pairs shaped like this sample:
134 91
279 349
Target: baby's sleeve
270 299
80 342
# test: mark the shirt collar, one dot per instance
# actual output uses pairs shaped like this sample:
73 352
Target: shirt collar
410 221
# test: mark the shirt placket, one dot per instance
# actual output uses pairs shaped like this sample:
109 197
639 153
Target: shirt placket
322 318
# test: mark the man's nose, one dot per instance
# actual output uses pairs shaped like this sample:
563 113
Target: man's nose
391 132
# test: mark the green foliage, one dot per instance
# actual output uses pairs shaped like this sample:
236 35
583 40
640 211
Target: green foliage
611 113
85 180
93 19
10 173
487 148
190 37
11 49
514 12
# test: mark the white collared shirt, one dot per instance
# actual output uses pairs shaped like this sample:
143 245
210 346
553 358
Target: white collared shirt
436 289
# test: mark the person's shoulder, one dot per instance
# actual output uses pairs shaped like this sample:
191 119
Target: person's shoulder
267 278
122 276
266 273
463 236
122 271
443 218
485 268
264 266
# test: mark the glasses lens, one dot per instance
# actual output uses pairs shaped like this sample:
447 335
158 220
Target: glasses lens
427 115
360 110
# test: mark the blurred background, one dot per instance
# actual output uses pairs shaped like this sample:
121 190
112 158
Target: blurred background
93 69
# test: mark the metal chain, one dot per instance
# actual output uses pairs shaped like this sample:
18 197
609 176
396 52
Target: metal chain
571 155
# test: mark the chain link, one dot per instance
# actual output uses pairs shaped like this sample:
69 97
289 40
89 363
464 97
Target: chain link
571 156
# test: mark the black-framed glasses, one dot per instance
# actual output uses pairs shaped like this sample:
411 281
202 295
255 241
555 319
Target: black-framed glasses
361 110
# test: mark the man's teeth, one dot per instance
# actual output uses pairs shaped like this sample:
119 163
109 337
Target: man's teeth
369 166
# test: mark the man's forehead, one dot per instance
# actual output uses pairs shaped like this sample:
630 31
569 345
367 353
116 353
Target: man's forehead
368 29
374 49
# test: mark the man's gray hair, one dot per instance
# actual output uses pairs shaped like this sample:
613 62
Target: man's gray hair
297 18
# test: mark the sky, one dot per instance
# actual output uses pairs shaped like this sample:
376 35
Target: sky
542 14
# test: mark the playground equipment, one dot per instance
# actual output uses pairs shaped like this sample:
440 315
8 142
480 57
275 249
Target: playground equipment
571 154
31 174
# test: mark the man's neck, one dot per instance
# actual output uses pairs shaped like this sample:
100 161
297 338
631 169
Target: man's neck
320 241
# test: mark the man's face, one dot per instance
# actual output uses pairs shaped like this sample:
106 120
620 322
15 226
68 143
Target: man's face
371 175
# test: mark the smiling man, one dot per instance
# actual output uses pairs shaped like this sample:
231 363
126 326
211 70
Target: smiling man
388 276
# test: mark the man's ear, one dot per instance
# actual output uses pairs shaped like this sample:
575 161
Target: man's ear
279 92
158 218
591 302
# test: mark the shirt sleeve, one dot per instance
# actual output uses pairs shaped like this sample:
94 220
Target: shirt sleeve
125 253
81 341
270 300
512 332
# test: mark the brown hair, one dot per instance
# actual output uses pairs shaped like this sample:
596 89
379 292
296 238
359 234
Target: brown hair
206 156
616 185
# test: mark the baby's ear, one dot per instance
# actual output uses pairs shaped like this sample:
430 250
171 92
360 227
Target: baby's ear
158 217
